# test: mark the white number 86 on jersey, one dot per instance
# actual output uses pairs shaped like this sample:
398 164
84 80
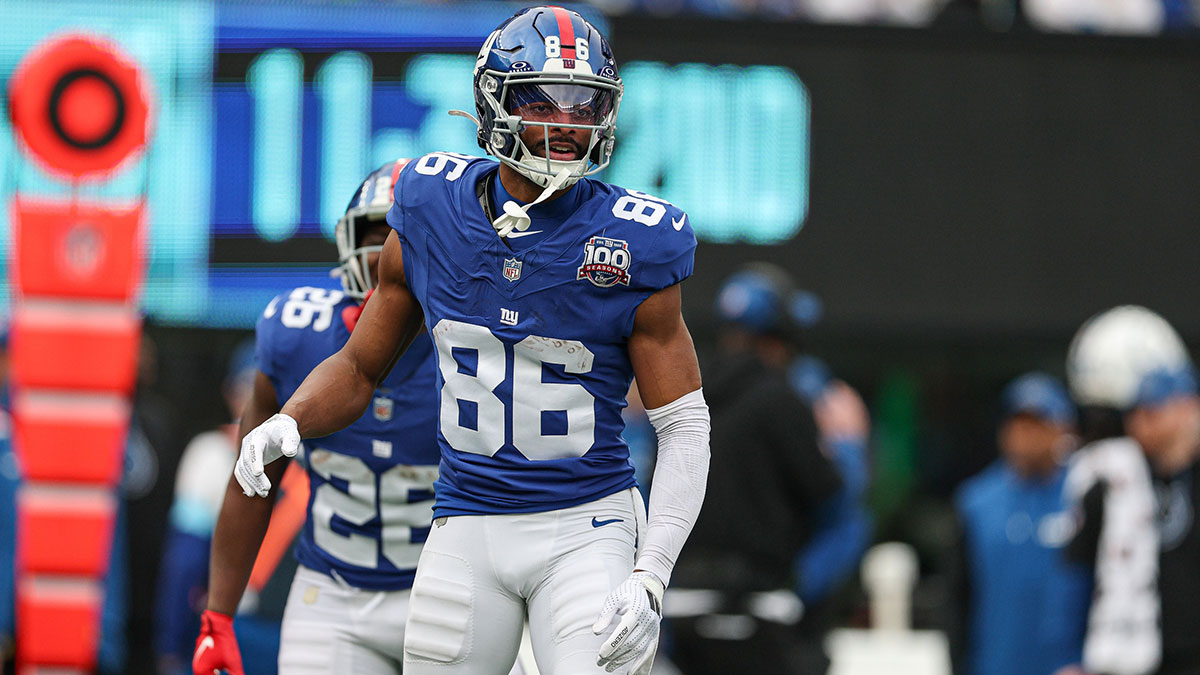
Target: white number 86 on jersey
473 364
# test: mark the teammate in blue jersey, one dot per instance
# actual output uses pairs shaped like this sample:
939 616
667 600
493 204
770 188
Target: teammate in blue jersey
545 293
371 497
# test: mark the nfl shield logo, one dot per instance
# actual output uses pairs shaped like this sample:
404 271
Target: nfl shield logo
382 408
512 269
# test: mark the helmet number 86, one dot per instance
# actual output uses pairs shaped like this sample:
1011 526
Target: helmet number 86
554 47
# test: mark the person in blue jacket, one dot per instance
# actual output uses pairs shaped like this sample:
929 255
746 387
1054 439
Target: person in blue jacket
1025 604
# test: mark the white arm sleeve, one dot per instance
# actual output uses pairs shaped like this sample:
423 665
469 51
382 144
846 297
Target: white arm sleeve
680 476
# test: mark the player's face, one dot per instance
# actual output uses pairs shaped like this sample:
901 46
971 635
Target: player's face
374 234
1030 443
1159 428
551 108
564 143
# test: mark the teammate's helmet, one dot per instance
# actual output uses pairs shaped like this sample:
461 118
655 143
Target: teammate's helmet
370 203
549 57
1115 350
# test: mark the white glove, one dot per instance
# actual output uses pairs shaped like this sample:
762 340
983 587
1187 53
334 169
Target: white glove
638 601
275 438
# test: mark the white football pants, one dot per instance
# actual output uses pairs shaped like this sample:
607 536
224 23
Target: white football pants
330 628
480 577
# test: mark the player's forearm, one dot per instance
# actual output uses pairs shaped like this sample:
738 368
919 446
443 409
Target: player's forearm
680 479
240 529
337 392
333 396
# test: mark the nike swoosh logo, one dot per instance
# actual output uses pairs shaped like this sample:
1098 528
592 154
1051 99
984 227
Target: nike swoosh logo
206 643
514 235
602 523
678 224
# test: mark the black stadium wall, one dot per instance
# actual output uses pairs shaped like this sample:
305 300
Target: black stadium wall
969 185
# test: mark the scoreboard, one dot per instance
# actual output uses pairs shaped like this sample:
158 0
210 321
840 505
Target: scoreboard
268 115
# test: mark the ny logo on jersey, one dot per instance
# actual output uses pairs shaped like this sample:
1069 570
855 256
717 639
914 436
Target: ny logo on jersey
605 262
512 269
508 317
381 448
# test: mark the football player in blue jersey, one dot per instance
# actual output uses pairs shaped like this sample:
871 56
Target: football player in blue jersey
545 293
371 497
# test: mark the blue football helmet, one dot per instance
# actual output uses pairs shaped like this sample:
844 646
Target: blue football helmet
547 67
370 202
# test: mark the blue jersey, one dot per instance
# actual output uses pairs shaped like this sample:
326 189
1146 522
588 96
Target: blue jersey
371 497
1028 602
533 365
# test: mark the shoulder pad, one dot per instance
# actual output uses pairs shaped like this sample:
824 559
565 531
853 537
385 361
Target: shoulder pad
660 233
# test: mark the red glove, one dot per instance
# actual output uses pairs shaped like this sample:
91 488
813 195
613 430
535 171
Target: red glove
216 648
351 314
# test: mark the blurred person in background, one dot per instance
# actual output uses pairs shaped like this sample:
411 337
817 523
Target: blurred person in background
1144 618
371 499
771 488
1024 604
830 560
183 577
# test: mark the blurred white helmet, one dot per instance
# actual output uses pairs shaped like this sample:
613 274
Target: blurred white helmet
1114 350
